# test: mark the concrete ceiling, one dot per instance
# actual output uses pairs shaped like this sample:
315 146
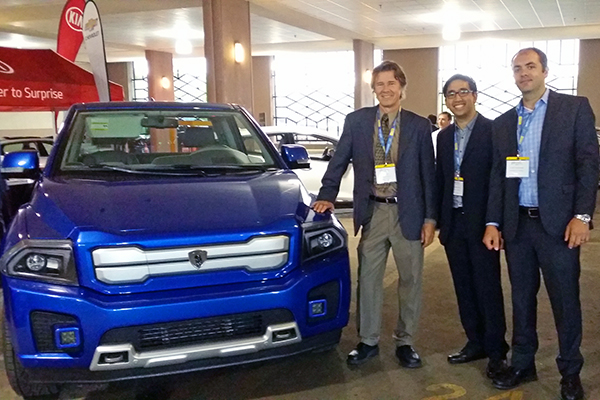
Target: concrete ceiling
130 26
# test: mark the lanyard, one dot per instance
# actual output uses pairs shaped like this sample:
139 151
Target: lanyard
457 157
386 146
523 125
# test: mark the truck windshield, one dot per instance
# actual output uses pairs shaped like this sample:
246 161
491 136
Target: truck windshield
167 141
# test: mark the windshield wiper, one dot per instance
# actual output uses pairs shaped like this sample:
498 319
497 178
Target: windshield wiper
144 171
209 170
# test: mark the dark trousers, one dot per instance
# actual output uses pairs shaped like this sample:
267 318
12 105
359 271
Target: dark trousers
533 249
476 274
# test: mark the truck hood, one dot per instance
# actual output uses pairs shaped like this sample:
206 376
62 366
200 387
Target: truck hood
189 204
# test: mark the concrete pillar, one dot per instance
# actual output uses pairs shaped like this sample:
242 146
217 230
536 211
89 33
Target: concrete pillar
160 65
421 69
263 85
225 23
121 73
588 84
363 61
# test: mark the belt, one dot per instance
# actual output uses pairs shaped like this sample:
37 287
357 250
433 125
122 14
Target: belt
531 212
389 200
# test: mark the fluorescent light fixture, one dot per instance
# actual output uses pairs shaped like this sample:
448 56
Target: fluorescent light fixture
183 46
238 52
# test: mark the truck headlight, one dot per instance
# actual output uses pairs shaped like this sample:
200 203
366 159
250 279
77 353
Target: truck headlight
46 260
323 237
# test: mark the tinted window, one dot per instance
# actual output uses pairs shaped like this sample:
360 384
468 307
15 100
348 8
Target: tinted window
158 140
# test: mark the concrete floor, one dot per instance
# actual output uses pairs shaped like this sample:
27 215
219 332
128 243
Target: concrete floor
326 376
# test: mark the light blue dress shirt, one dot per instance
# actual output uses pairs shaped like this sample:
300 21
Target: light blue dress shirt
461 138
530 130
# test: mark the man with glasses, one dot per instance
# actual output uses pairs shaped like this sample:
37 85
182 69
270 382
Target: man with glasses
394 189
464 162
542 195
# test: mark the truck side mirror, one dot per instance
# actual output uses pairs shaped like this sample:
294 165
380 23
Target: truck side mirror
295 156
21 164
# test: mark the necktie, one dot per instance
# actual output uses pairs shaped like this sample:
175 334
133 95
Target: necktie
385 127
379 149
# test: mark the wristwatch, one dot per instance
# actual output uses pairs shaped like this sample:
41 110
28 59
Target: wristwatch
585 218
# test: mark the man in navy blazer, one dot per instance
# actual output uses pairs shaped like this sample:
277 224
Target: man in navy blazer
394 203
542 195
464 162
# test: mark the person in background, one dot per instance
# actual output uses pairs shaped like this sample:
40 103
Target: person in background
464 162
444 119
542 197
394 204
433 119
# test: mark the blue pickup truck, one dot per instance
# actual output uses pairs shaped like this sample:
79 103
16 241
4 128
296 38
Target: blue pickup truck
163 238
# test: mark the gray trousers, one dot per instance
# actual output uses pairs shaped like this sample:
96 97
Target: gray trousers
381 233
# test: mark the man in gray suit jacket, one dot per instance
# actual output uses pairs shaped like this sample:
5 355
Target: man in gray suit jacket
394 203
542 195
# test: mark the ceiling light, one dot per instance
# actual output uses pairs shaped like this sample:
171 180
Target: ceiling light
181 32
451 32
15 40
488 24
183 46
366 76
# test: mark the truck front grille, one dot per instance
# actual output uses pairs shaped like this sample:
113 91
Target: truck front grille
197 331
222 328
121 265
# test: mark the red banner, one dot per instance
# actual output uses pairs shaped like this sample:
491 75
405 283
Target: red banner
37 80
70 33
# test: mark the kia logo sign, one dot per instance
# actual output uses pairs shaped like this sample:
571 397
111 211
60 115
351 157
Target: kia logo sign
74 18
5 68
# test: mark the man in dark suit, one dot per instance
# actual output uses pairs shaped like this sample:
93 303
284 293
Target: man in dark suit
542 195
394 203
464 162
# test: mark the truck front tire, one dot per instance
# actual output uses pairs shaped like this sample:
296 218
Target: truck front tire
17 375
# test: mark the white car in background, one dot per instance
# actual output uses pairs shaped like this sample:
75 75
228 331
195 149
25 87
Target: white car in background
320 146
43 146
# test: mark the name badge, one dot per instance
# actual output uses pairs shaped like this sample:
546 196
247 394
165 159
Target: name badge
459 186
517 167
385 173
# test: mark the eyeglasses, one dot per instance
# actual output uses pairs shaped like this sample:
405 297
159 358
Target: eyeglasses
461 93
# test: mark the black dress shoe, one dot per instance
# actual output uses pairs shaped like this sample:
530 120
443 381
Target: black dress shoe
495 368
408 357
467 354
362 353
570 388
512 377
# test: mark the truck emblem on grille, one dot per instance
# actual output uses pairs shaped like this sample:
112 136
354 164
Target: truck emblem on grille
197 257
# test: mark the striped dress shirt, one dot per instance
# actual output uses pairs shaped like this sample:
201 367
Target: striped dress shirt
531 127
